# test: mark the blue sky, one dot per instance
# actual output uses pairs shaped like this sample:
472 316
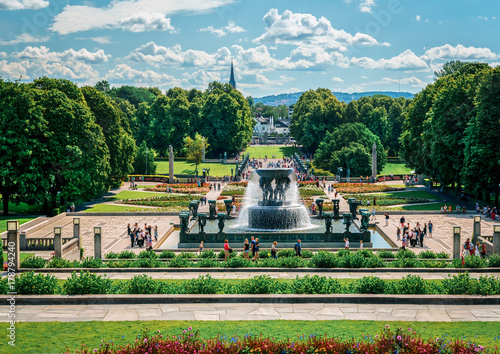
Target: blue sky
278 46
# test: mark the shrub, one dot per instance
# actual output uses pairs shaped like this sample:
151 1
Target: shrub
307 254
167 254
405 254
203 285
208 263
433 264
343 252
352 260
264 254
386 254
86 283
375 262
470 262
411 284
186 255
287 252
324 259
33 262
208 254
368 285
179 262
461 284
406 263
221 254
269 263
315 285
30 284
261 284
58 262
236 262
147 263
91 262
141 284
147 254
443 255
487 286
126 254
4 285
111 255
494 260
427 254
290 262
120 264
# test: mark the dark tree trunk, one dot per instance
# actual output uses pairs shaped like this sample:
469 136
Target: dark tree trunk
5 199
46 206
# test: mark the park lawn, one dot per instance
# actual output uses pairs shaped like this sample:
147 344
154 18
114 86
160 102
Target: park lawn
23 208
407 194
397 168
22 256
110 208
4 219
187 168
45 337
135 195
263 150
433 206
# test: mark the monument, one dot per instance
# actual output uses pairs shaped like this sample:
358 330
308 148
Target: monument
170 164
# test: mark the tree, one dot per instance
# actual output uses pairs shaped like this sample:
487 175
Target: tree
353 157
144 163
194 149
449 68
395 119
102 86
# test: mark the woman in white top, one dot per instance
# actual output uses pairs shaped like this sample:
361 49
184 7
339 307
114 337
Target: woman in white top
476 249
360 244
346 243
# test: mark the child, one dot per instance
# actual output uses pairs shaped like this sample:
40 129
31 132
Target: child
346 240
360 244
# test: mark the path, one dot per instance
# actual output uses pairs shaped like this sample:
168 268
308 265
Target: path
253 312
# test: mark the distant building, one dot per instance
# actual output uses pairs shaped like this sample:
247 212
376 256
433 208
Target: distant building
290 111
270 126
231 78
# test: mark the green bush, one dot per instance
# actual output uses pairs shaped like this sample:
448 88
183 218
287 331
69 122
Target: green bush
434 264
411 284
91 262
343 252
261 284
208 263
365 253
147 263
368 285
125 263
386 254
4 285
127 255
86 283
487 286
269 263
324 259
307 254
221 254
58 262
461 284
290 262
236 262
179 262
203 285
469 262
147 254
352 260
141 284
427 254
287 252
375 262
208 254
315 285
405 254
494 260
30 284
167 254
443 255
186 255
406 263
33 262
111 255
264 254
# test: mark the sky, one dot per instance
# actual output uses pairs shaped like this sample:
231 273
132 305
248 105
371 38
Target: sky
278 46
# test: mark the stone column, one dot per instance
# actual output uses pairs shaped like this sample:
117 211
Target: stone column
76 227
374 161
57 242
97 243
170 164
22 242
477 228
456 242
13 246
496 239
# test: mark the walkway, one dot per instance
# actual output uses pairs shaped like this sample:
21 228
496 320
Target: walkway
253 312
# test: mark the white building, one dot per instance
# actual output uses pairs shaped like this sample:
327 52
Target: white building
270 126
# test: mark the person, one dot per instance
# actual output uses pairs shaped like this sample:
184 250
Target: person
402 221
298 248
483 249
422 234
246 249
156 233
234 209
386 219
132 239
140 238
445 208
442 210
374 201
403 242
373 213
449 209
200 248
398 234
458 209
226 250
430 226
273 250
252 243
346 245
360 244
257 249
129 229
477 251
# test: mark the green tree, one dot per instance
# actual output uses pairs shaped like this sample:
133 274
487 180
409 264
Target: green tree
103 86
378 124
449 68
353 157
395 118
144 163
194 149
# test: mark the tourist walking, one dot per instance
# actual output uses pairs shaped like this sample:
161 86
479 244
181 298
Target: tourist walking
398 234
403 242
200 248
226 250
132 239
156 233
150 243
430 226
246 249
257 249
360 244
477 251
373 213
422 234
386 219
483 249
273 250
298 248
402 221
252 244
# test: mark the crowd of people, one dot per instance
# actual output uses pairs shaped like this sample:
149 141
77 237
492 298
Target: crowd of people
141 237
412 236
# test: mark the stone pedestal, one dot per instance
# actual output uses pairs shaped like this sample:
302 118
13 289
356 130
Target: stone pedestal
22 242
58 245
456 246
97 246
496 239
13 248
477 228
76 229
374 161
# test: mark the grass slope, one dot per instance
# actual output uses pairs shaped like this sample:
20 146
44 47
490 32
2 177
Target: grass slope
187 168
397 168
108 208
135 195
54 337
279 151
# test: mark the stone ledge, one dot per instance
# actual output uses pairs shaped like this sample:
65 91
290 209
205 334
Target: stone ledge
264 270
244 298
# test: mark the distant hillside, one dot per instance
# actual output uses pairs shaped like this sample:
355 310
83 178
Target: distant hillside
291 98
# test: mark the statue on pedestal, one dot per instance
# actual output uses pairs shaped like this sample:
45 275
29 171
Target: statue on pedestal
347 221
202 221
328 222
222 219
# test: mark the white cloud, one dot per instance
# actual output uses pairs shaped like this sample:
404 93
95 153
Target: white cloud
33 69
418 18
77 18
45 54
458 52
404 61
337 79
412 81
102 39
145 21
201 78
366 5
23 4
483 18
305 29
25 38
221 32
125 74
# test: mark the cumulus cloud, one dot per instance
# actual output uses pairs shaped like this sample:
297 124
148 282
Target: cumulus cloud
145 21
125 74
201 78
23 4
458 52
412 81
366 5
305 29
77 18
101 39
25 38
32 69
404 61
337 79
221 32
45 54
417 18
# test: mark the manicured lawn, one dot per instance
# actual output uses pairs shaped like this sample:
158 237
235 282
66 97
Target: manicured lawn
24 208
397 168
407 194
187 168
22 256
45 337
135 195
263 150
108 208
3 221
433 206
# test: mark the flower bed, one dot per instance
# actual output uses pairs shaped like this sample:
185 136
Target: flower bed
174 202
310 190
233 189
385 200
354 188
186 188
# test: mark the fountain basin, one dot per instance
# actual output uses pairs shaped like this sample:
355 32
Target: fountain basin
285 217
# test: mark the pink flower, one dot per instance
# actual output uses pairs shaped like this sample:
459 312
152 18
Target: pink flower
409 329
398 337
184 331
190 328
387 326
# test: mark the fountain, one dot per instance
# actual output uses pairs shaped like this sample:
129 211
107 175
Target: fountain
272 203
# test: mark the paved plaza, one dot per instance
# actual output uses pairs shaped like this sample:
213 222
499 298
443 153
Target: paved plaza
254 312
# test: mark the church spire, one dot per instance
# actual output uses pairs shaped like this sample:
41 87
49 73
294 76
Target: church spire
231 78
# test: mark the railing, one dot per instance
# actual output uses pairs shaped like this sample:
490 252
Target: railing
36 244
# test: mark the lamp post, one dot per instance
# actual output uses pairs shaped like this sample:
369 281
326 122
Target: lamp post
496 239
477 228
58 241
97 242
456 241
13 244
76 227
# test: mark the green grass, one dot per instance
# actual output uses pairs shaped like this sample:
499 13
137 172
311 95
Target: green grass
135 195
279 151
22 256
24 208
4 219
397 168
45 337
407 194
187 168
433 206
108 208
